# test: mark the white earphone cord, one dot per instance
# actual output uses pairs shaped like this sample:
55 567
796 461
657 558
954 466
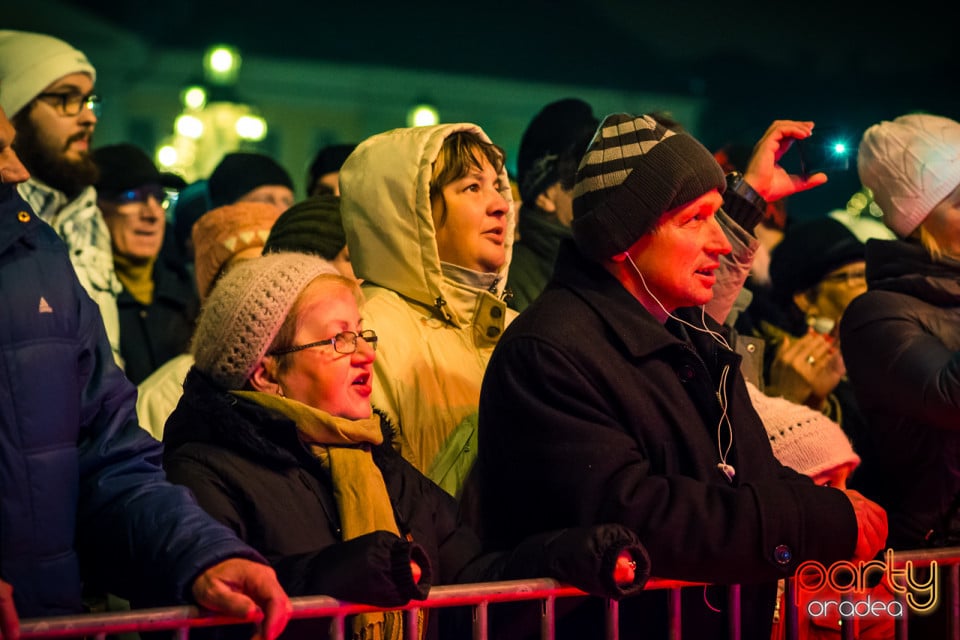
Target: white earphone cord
727 469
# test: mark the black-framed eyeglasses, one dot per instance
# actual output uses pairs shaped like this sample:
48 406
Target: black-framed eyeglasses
344 342
71 103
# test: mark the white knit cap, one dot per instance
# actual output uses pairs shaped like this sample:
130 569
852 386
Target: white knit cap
802 439
31 62
911 165
245 311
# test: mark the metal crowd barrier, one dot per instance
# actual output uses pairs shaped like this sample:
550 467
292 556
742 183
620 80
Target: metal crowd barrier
480 596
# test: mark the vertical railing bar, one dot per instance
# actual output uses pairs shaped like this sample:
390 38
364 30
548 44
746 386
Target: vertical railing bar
547 622
902 623
337 627
673 613
411 627
612 613
791 614
480 621
955 601
733 604
846 622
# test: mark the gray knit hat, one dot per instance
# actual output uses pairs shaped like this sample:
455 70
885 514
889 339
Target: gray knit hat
634 171
245 311
911 165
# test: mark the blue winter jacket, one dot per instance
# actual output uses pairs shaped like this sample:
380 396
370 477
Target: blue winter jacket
82 492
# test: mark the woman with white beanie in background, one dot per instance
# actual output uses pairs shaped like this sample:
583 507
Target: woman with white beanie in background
901 339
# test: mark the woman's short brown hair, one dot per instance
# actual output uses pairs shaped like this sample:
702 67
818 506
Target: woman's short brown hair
462 152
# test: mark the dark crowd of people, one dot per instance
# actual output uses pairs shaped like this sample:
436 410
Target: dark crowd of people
629 359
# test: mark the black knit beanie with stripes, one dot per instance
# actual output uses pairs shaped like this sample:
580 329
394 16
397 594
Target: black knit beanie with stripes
634 171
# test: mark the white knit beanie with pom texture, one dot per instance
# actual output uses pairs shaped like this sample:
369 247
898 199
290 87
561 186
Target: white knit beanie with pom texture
802 439
245 311
911 164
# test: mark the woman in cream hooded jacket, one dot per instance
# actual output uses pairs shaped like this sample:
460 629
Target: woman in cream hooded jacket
438 323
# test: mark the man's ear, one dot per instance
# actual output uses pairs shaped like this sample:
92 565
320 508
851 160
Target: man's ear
619 257
264 376
545 203
547 199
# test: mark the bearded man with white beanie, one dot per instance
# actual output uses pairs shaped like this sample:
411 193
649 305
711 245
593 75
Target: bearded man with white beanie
46 88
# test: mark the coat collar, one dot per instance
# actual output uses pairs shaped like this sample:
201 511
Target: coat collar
905 266
637 330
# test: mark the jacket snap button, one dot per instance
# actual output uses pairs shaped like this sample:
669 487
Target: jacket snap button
751 348
686 373
23 216
496 312
783 555
493 332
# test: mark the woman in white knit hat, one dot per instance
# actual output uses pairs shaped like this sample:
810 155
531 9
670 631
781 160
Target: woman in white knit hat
901 339
276 437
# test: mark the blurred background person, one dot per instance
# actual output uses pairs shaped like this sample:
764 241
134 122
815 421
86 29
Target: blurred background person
193 201
323 176
550 150
313 226
158 305
815 270
223 237
250 177
901 339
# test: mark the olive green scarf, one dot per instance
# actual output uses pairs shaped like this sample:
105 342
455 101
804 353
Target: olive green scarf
136 277
343 448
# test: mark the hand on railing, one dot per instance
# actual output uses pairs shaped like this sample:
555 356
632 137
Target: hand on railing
9 622
871 526
242 588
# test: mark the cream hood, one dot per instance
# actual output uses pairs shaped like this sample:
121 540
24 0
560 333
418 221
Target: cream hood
385 203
